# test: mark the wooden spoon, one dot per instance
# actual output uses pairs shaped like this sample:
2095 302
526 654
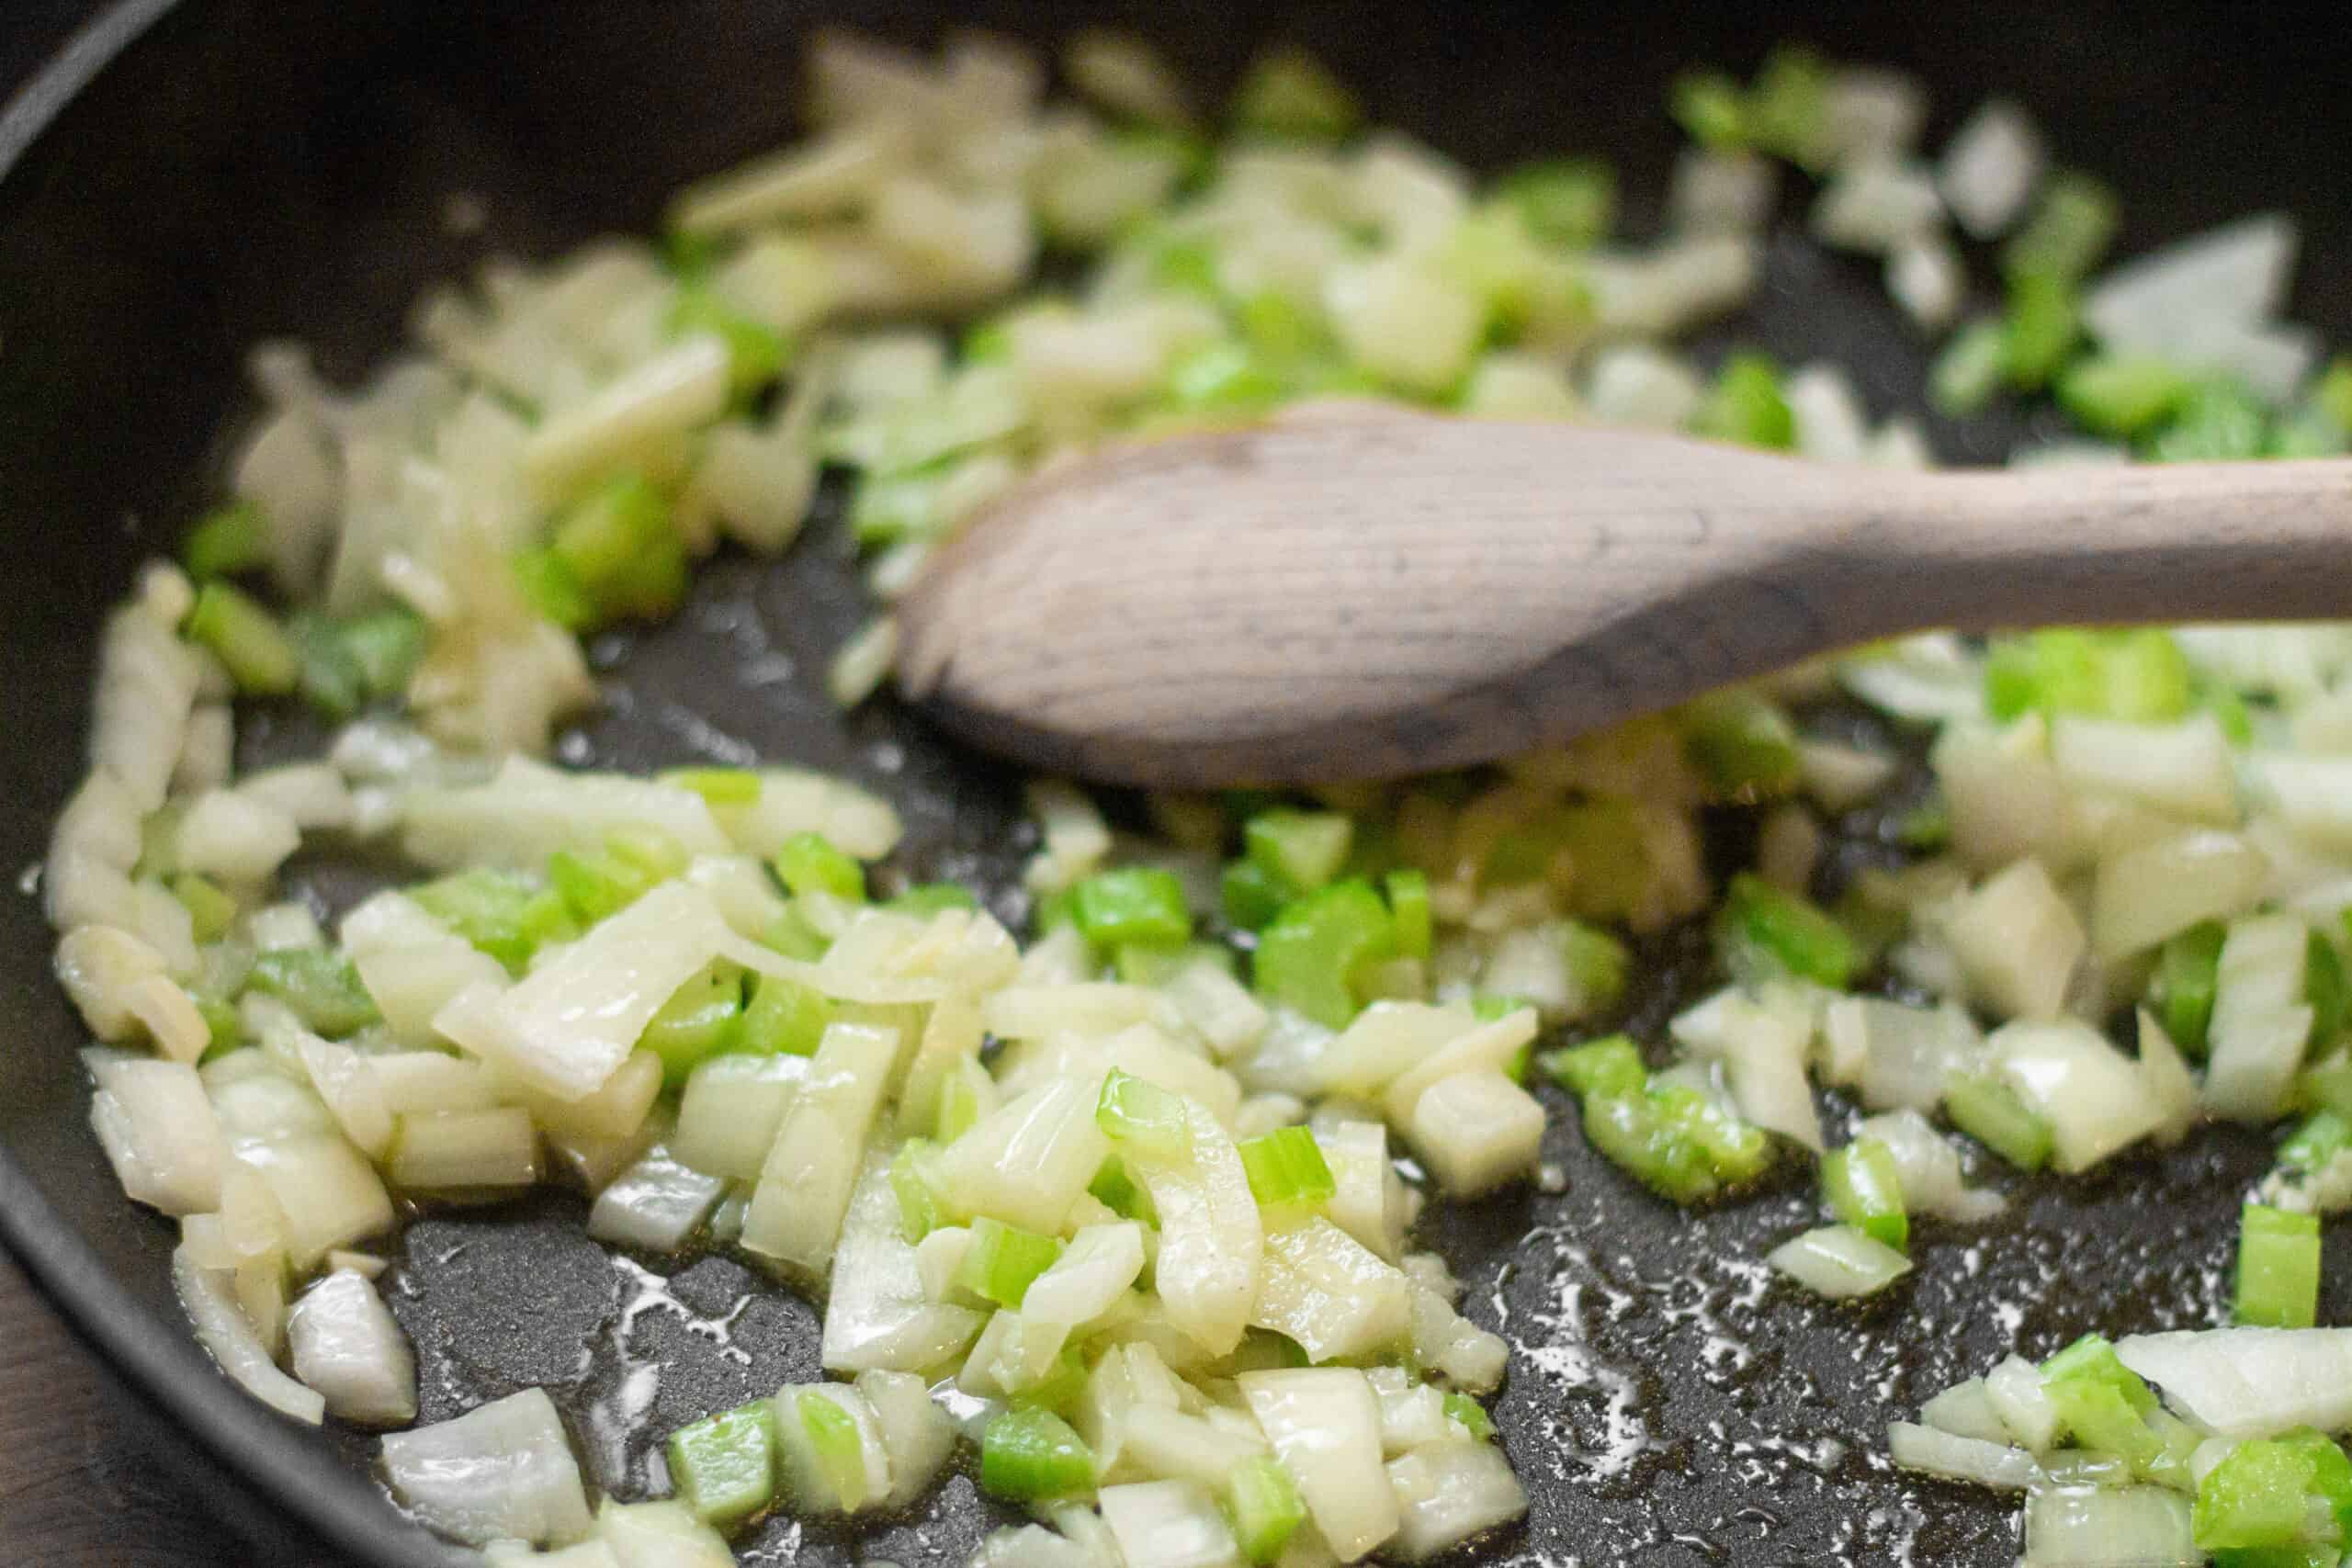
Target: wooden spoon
1358 590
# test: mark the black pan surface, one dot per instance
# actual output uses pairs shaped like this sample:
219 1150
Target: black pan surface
237 170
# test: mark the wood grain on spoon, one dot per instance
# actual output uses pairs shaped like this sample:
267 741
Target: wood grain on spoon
1363 591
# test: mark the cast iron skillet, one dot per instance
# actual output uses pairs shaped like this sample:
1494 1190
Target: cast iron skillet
184 180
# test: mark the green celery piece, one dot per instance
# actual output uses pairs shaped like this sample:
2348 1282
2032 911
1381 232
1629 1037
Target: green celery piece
1610 1066
1601 842
2092 1359
793 936
245 638
1303 849
386 646
2324 990
330 680
2181 990
840 1452
1744 747
606 881
2332 397
1471 1414
1599 964
1737 1152
321 986
1925 828
2068 231
502 913
224 1030
1967 374
1281 329
2258 1496
2100 1414
1764 931
1053 913
1004 1260
1058 1390
2139 674
959 1101
1788 106
1744 405
2218 421
1225 378
1310 953
2038 331
1988 1109
1563 201
717 786
2122 396
1143 1118
228 541
2314 1146
1409 907
1135 903
2278 1267
919 1209
1710 108
703 1019
1864 1189
210 911
1286 1166
689 256
1288 94
1632 1132
809 862
1117 1191
887 508
1027 1455
1185 264
552 589
1157 962
622 546
783 1017
925 899
1264 1507
724 1465
756 352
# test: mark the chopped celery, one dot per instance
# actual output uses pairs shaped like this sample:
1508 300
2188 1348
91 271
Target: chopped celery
2039 330
1988 1109
2139 674
756 350
1743 746
1609 1066
717 786
1143 1117
605 881
1059 1389
1765 931
1563 201
809 862
1967 372
1309 955
703 1019
784 1016
1286 1166
1599 842
2324 991
386 646
1225 378
2260 1501
793 936
2314 1146
1264 1507
959 1101
1252 896
1736 1151
1279 328
1925 828
1409 907
2122 395
330 680
2070 228
245 638
321 987
2092 1359
1788 106
1004 1260
1287 93
503 913
1131 904
1027 1455
2278 1273
227 541
724 1465
623 550
1598 963
1709 106
1301 849
920 1210
1471 1414
925 899
1118 1191
1864 1189
1157 962
1744 405
2100 1416
210 911
2218 421
2332 396
552 589
1633 1133
834 1441
2181 990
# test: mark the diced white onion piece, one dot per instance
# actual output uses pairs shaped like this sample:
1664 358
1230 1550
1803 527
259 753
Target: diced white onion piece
864 661
147 686
665 396
742 889
1831 426
877 1314
411 965
159 1132
1211 1240
1876 207
1990 167
2091 1094
312 796
1412 1413
659 1535
1928 677
2014 1391
2250 1383
1170 1443
616 1110
1403 320
1324 1426
2182 768
2261 1022
2314 795
282 928
731 1110
1872 112
1217 1007
462 1149
221 1326
1322 1288
655 1205
1840 777
1717 192
235 839
1927 1166
1368 1199
1903 1053
1965 1410
2169 1081
1027 1162
99 966
1448 1494
504 1472
1930 1451
1459 1350
2122 1527
414 1081
1839 1262
2155 890
1672 288
804 1192
1763 1049
2017 942
527 811
834 173
1168 1524
1090 1277
1483 1048
2235 275
916 1433
346 1082
1477 1131
346 1347
1635 383
810 1484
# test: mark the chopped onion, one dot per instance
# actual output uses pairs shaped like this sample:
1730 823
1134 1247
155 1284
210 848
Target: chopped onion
528 811
2015 1390
2250 1383
1322 1288
2091 1094
655 1205
1839 1262
1168 1524
346 1347
1027 1162
804 1192
731 1110
2018 942
1990 168
2126 1527
1927 1167
1932 1453
208 1294
159 1132
504 1472
1324 1426
1965 1410
2260 1020
2160 888
877 1314
659 1535
2163 302
1448 1494
1475 1131
1764 1050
